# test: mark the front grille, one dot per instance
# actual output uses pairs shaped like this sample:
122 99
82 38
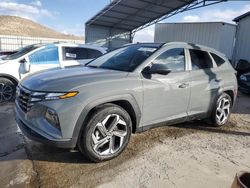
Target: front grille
248 77
24 98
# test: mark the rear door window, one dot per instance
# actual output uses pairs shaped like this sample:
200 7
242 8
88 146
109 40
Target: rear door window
218 60
74 53
200 59
47 55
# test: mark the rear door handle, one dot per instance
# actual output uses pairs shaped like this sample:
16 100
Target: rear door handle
183 85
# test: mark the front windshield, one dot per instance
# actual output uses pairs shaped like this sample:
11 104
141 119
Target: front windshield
21 52
123 59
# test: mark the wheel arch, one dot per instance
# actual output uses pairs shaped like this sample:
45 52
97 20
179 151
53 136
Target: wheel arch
127 102
11 78
231 94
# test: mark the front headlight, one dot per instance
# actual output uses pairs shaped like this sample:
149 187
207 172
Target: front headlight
53 96
40 96
243 77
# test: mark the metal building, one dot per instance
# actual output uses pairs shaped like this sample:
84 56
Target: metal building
218 35
117 23
242 45
106 37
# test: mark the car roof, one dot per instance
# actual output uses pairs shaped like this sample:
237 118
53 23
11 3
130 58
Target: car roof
81 45
184 44
64 44
148 44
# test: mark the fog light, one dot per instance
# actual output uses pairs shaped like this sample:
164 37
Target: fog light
52 117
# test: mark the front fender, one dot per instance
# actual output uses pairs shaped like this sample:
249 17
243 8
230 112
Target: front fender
124 97
12 78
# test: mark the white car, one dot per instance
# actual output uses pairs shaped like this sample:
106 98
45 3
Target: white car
37 57
6 53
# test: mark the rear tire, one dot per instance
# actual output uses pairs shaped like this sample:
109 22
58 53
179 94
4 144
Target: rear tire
106 134
7 90
222 110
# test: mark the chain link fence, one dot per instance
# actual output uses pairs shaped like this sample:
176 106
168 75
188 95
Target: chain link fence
9 42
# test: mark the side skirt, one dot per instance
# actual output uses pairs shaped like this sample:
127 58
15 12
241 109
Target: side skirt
162 124
173 122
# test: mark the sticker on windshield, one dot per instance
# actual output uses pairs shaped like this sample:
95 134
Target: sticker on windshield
70 55
146 49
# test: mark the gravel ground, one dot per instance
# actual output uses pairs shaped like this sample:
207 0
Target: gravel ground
186 155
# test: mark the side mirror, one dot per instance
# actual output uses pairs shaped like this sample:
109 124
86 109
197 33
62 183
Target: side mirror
156 69
24 66
22 61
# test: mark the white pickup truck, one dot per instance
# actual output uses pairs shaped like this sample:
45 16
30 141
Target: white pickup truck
37 57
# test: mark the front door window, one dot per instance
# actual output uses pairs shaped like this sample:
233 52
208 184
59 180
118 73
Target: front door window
173 58
47 55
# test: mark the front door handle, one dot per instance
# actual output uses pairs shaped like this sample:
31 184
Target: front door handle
217 80
183 85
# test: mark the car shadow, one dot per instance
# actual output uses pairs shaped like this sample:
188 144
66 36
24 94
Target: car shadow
226 130
41 152
139 143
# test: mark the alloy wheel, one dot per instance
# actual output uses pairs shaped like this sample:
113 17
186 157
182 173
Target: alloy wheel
223 110
109 135
6 92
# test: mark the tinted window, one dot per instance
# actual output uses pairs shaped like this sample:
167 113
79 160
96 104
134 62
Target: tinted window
174 59
92 54
218 60
47 55
200 60
74 53
124 59
21 52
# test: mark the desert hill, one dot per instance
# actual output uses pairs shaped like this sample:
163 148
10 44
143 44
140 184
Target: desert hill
12 25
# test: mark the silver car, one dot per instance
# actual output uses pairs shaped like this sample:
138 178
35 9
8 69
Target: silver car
128 90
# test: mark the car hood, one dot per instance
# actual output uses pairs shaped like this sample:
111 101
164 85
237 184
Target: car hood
2 61
66 79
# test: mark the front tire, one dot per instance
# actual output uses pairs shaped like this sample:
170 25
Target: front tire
222 110
7 90
106 134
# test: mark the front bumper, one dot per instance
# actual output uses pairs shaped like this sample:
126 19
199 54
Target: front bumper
36 137
33 134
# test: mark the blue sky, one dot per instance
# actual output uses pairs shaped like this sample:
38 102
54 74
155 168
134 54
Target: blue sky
69 16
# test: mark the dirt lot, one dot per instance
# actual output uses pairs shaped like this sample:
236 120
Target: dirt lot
186 155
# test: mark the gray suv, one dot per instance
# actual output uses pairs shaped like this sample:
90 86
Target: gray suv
129 90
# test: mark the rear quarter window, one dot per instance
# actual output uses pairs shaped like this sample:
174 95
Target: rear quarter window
93 54
218 60
74 53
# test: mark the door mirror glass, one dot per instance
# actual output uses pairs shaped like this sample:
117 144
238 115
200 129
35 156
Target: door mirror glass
159 69
156 69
